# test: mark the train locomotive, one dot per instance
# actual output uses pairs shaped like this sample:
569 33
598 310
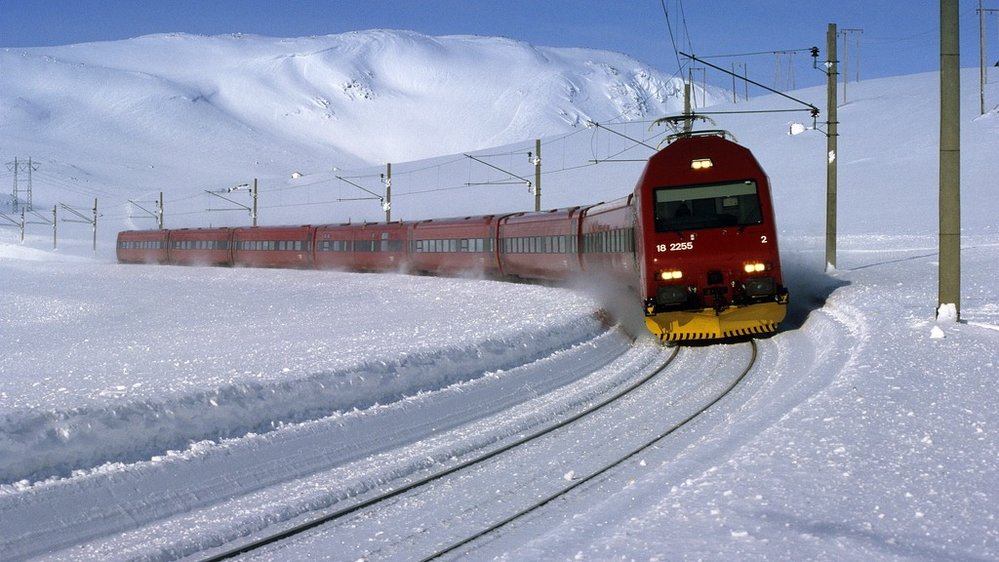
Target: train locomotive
696 240
705 231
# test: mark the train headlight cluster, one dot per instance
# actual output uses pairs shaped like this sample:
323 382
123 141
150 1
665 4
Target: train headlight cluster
670 275
701 164
755 267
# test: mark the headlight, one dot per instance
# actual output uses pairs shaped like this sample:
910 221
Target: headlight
755 267
670 275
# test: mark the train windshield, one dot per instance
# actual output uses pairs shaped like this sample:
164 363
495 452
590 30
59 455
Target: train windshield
707 206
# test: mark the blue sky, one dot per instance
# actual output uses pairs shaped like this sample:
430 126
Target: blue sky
899 36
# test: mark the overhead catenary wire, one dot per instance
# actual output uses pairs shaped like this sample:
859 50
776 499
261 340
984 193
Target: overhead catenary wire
672 38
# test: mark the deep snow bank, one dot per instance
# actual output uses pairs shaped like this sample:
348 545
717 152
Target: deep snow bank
122 378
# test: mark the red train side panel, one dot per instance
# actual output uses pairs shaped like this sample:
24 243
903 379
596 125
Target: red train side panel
142 246
361 247
454 246
201 246
273 246
540 245
608 240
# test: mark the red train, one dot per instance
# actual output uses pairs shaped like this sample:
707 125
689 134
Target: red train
696 239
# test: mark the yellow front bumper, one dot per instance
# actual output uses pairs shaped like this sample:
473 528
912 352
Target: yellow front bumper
708 324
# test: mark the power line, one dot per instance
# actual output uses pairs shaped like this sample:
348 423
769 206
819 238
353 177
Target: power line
755 53
669 27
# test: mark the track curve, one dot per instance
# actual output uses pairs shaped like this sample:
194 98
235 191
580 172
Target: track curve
473 491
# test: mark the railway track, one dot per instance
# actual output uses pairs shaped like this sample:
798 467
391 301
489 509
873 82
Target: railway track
691 396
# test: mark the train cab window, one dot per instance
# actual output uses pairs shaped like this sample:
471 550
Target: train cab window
707 206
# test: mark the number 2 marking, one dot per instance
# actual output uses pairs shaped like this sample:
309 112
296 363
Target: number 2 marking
763 239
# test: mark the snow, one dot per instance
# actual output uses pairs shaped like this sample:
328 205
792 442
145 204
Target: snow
155 412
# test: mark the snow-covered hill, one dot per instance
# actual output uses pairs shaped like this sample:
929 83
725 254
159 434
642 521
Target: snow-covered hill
194 108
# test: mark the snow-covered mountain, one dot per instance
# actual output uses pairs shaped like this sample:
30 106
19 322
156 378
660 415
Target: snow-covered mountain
197 107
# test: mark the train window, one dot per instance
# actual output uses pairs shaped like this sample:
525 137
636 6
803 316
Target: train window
707 206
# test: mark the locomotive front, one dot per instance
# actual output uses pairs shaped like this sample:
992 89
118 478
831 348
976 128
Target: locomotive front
709 261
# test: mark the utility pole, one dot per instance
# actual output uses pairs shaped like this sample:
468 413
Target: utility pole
243 186
95 225
157 214
20 167
81 218
527 182
254 211
982 72
688 120
846 57
831 137
782 82
537 174
735 95
388 192
950 160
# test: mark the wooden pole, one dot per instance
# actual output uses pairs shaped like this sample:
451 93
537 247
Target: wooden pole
950 158
831 148
537 174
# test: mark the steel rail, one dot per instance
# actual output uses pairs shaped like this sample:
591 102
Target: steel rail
655 440
338 514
